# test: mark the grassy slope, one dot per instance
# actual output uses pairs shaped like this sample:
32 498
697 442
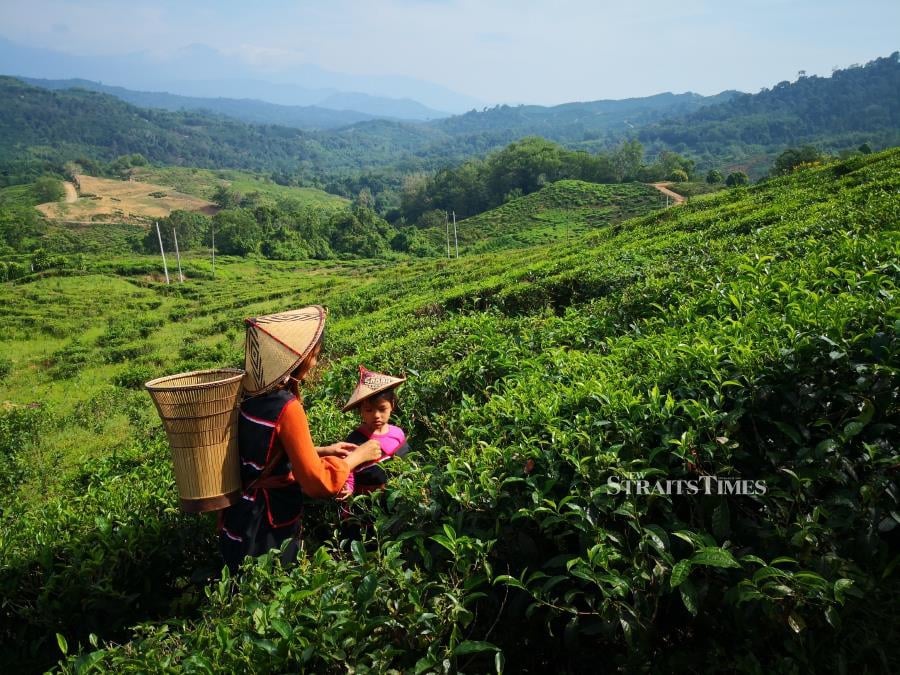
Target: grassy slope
203 183
638 348
561 209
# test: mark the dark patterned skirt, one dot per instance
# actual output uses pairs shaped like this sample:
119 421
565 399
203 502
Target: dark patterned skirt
246 528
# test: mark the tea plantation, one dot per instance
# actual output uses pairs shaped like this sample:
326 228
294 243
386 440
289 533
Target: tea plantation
748 334
552 214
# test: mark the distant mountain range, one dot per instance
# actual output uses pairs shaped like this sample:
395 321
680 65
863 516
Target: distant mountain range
567 122
247 110
40 128
200 71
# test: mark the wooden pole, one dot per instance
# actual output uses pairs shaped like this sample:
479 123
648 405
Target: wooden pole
163 253
455 240
447 223
213 228
177 255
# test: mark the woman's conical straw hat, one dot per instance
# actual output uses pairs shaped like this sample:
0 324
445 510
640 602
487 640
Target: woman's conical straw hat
371 383
277 343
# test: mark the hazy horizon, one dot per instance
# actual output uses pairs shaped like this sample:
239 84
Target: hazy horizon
484 54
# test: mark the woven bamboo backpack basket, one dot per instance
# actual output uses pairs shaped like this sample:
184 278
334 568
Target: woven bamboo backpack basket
199 412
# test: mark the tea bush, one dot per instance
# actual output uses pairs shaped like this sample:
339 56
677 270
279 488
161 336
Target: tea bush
134 376
20 429
69 360
114 551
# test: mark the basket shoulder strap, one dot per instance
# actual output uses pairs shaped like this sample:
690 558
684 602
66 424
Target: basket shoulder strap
263 479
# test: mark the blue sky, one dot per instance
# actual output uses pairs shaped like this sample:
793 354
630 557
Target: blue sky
496 51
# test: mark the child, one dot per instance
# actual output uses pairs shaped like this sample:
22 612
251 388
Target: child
375 399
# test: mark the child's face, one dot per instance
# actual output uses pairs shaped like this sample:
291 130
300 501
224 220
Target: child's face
376 414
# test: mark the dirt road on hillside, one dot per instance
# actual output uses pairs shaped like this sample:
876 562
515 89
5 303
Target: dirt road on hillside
666 191
71 192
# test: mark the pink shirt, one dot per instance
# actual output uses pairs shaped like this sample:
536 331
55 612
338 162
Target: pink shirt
390 441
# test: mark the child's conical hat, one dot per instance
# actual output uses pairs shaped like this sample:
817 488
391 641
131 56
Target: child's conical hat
371 383
277 343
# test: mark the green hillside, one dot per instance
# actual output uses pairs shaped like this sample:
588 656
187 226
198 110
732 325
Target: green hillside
244 109
41 129
751 334
856 105
559 210
578 122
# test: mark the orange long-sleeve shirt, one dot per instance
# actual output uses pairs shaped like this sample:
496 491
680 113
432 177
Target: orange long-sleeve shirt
318 477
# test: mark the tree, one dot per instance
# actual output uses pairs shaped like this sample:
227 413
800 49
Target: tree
865 149
414 198
237 232
226 198
526 165
432 219
793 158
192 229
18 225
714 176
410 240
48 189
670 162
679 176
360 232
364 199
736 179
251 200
122 164
40 260
626 160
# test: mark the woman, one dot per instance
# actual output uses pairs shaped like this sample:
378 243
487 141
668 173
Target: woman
279 463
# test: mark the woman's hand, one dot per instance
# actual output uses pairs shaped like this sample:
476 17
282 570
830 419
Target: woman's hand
367 452
341 450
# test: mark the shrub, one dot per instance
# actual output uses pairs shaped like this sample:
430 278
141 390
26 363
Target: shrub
99 560
67 361
134 376
796 158
714 176
20 430
48 189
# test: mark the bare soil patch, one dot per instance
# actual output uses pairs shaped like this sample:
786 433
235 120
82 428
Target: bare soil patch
120 201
